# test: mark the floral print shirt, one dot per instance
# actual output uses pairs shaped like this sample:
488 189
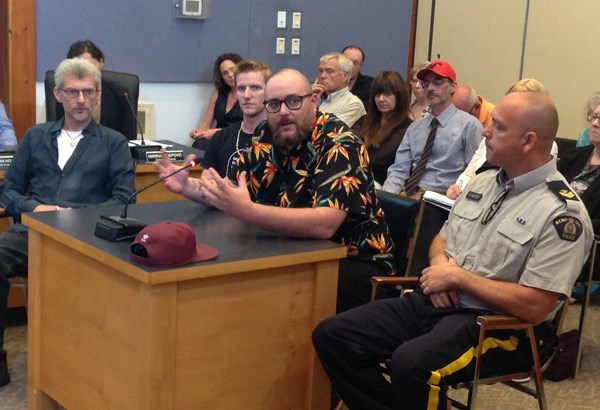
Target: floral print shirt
329 168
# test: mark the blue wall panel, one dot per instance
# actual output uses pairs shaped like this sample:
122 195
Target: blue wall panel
143 37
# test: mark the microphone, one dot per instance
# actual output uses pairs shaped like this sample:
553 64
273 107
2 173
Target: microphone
118 228
139 151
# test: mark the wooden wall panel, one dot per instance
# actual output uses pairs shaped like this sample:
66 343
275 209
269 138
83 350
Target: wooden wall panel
17 72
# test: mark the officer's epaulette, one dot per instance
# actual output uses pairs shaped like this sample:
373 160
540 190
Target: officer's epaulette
562 190
485 167
564 193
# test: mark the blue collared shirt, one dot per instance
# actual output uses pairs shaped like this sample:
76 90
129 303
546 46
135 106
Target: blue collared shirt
457 138
7 131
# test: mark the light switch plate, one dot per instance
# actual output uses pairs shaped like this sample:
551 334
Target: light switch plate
281 16
280 45
296 20
295 46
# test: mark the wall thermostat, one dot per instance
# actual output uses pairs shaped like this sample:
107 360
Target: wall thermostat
192 9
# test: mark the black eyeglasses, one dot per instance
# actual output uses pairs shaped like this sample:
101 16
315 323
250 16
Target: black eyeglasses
438 81
73 92
293 102
593 117
494 207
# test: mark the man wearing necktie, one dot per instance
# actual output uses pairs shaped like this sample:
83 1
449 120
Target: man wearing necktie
437 149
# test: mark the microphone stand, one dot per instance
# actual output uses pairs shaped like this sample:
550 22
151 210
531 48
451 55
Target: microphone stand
118 228
139 151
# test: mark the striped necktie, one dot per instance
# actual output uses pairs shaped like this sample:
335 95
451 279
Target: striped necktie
412 184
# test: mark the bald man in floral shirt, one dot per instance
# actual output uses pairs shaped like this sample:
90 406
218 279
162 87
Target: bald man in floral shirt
305 175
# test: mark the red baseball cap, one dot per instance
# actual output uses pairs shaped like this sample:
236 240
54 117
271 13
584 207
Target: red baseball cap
169 244
440 68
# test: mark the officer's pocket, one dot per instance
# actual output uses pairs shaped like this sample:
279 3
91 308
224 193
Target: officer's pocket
506 252
466 218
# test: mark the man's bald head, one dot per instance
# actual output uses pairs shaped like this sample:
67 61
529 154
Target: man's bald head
537 113
522 131
293 77
464 98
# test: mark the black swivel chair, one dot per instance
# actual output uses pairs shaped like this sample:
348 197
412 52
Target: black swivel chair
115 111
400 215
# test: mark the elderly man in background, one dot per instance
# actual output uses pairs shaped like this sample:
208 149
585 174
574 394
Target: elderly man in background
466 99
359 83
331 87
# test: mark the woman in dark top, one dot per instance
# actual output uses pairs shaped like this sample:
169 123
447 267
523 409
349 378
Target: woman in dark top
581 167
223 107
114 110
385 123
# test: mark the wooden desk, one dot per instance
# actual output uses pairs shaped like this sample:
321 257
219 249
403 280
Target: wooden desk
232 333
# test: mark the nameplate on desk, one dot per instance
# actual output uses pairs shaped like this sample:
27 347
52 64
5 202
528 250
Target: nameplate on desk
174 155
6 158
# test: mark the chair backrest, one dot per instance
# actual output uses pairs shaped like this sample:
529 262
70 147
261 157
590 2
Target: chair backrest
123 120
400 215
430 220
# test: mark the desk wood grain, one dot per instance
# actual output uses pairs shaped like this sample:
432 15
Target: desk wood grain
230 333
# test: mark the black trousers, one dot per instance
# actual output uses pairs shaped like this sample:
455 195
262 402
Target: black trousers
424 349
13 262
354 284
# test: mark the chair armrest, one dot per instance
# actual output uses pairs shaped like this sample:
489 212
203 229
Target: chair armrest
407 283
404 281
495 322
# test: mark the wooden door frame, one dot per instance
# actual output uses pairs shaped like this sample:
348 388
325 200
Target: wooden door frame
17 62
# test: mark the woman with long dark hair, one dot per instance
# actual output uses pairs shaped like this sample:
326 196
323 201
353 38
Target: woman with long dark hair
386 121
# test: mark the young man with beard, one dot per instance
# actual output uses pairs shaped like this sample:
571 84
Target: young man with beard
250 78
305 175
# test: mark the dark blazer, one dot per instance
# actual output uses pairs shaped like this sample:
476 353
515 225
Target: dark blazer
362 87
571 164
115 113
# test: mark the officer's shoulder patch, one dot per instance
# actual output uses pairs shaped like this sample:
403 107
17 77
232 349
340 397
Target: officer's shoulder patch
568 227
562 190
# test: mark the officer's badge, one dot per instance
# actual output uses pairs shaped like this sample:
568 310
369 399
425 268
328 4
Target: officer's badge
568 228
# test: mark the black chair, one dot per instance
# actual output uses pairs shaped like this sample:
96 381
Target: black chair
587 284
400 215
430 219
115 111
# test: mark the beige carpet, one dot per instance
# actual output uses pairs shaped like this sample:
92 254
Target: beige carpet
579 394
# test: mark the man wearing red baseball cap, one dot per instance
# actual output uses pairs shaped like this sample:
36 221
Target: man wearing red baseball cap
437 149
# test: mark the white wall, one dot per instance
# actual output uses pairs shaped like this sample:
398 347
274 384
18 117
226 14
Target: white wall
483 40
178 107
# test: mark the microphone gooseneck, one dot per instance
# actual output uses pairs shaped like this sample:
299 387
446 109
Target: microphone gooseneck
135 117
192 163
118 228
